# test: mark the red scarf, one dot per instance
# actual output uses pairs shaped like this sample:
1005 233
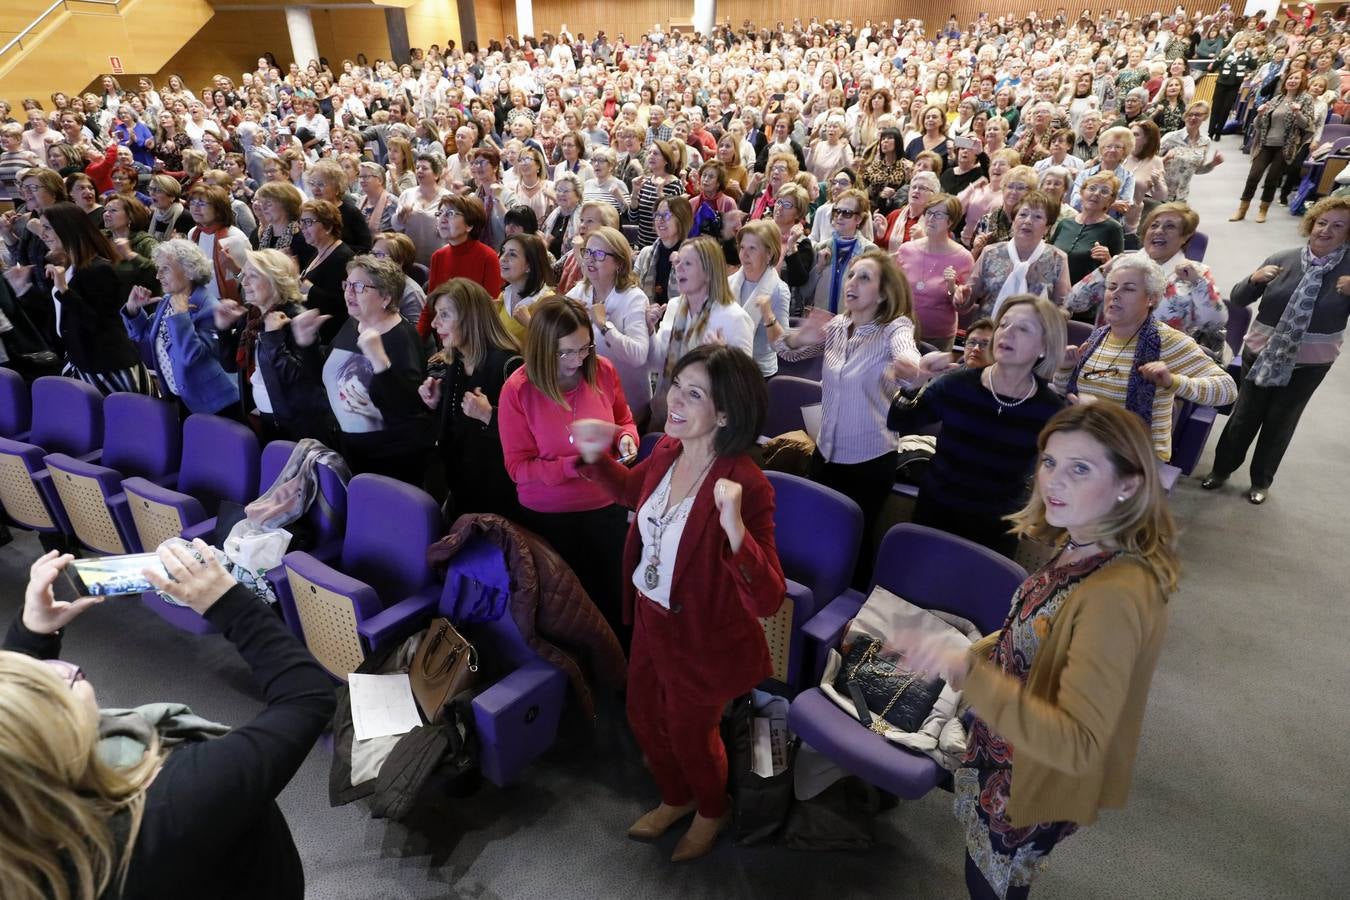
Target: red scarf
227 279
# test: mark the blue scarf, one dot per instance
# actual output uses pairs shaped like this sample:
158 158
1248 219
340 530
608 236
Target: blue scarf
843 252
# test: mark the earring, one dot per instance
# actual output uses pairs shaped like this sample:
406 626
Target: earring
721 423
1120 499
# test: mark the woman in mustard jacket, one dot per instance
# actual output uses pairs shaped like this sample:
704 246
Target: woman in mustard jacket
1059 692
700 569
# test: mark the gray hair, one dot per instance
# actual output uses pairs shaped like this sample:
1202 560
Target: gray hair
1155 280
937 186
186 256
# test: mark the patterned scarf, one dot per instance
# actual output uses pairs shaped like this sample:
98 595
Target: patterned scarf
1275 363
685 334
248 341
1140 391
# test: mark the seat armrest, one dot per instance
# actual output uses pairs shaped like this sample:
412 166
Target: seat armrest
827 626
399 620
93 456
520 684
205 529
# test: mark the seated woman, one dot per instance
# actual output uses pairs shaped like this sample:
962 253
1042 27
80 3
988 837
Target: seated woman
936 265
674 221
1026 264
1191 302
618 311
699 570
179 338
562 382
271 297
591 215
148 828
990 417
704 311
869 349
759 290
321 279
1137 362
373 436
528 278
398 248
1091 237
833 258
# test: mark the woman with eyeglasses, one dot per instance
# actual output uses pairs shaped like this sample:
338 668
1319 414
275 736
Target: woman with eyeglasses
560 227
144 828
936 265
869 350
1023 264
674 219
373 348
822 227
592 214
987 193
618 309
1137 362
376 204
527 277
464 255
833 257
564 385
278 204
398 248
1186 152
906 223
1091 237
797 260
321 278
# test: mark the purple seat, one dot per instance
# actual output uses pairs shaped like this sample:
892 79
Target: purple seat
787 395
931 569
67 418
383 562
648 444
1078 332
1191 425
816 531
141 438
809 368
1239 318
1195 248
517 716
16 406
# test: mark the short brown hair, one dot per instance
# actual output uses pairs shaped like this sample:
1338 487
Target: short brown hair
326 215
553 320
468 206
1042 201
283 193
539 271
1148 148
138 217
402 250
738 392
218 199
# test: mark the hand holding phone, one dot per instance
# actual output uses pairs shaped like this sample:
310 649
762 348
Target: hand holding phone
42 612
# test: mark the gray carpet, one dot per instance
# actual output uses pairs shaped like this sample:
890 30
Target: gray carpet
1239 788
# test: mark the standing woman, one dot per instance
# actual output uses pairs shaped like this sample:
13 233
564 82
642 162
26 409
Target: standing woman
618 309
604 186
937 264
831 154
1283 124
1054 738
215 234
833 258
987 193
711 203
527 278
1233 66
1091 237
1304 298
869 349
654 267
796 261
278 205
699 569
375 203
168 214
82 192
1024 264
87 295
591 215
887 173
1186 153
1150 178
762 294
990 417
399 176
419 207
461 221
321 280
573 148
996 225
661 180
562 383
1169 113
563 220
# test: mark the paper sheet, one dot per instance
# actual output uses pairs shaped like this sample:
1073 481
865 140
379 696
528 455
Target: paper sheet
382 705
811 418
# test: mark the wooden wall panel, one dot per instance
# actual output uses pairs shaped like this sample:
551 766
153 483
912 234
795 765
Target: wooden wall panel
628 17
230 44
343 33
433 22
934 15
496 19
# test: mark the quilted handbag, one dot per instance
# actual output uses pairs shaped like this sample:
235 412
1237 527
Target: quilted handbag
894 695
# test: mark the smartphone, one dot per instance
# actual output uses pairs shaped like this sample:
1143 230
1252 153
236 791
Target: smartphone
114 576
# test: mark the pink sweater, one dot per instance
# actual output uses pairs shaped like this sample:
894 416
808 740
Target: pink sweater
536 443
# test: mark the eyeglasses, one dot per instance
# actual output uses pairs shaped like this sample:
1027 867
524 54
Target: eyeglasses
198 201
936 212
978 344
595 255
70 673
306 221
1095 374
580 353
837 213
379 254
358 288
450 212
663 216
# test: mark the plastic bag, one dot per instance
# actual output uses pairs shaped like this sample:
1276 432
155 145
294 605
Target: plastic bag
253 551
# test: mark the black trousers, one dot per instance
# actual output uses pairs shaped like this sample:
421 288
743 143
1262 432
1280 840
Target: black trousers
1270 161
1225 97
867 484
591 543
1267 415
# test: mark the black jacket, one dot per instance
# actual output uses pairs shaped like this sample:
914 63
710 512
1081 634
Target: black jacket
91 331
355 228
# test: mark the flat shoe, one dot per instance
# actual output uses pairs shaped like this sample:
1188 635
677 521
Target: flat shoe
699 839
655 823
1213 482
1256 496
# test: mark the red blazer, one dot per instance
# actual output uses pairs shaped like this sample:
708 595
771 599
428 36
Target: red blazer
714 648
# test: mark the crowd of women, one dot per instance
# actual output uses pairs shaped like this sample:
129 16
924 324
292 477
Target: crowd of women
491 273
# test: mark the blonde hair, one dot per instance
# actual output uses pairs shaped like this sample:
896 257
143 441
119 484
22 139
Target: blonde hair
480 327
1054 333
896 298
280 271
768 235
1141 524
59 795
616 245
608 214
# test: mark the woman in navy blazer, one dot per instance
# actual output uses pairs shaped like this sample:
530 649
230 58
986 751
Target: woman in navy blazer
701 569
179 339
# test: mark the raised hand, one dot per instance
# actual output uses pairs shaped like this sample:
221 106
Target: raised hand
593 438
655 312
1100 252
813 325
20 278
476 405
1261 276
305 327
276 320
57 276
430 392
138 298
42 613
226 313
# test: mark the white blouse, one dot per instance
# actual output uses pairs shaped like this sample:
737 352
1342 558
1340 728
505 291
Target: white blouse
648 516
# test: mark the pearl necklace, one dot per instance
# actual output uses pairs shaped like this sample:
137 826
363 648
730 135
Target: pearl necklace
1002 405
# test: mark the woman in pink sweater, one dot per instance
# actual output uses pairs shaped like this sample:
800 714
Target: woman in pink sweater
563 383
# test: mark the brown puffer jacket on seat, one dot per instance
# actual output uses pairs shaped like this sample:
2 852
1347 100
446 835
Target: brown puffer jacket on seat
549 606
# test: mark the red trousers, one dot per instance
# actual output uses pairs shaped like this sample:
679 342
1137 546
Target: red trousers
680 739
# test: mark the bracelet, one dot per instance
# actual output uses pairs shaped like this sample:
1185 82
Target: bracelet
771 324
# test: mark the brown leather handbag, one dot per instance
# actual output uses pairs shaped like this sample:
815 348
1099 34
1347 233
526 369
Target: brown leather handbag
445 664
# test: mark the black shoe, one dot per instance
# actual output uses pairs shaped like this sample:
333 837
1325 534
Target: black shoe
1213 481
1256 496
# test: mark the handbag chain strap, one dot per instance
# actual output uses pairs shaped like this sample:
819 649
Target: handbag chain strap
879 724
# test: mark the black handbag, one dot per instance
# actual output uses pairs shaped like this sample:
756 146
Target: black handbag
893 695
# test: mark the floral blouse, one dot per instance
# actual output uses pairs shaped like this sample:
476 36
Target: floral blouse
1182 160
994 266
1187 306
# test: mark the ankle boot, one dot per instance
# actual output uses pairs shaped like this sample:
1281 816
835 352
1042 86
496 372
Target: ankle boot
1242 211
1261 214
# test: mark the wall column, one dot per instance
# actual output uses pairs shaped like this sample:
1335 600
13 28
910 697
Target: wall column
396 23
705 16
304 46
468 23
524 18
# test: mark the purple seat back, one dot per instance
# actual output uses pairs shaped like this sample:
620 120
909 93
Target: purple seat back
67 416
787 395
1196 246
936 570
388 532
274 457
1078 332
140 435
220 460
809 368
328 513
16 404
816 531
476 597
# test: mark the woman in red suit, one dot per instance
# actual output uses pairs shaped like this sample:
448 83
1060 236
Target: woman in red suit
700 569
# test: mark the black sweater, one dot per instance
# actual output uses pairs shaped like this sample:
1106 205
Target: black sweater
212 828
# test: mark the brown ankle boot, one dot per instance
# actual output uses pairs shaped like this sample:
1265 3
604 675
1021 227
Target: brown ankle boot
1242 211
655 823
699 839
1261 213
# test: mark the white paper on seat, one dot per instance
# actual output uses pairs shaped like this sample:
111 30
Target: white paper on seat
811 418
382 705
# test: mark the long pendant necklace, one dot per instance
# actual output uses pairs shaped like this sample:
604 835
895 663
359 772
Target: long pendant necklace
999 400
651 575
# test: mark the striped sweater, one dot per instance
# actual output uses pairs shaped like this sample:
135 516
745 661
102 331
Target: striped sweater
1105 375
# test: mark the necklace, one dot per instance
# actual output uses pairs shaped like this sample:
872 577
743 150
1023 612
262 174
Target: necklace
928 272
651 575
1071 545
999 400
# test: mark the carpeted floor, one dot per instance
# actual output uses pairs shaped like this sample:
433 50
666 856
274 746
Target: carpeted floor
1238 790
